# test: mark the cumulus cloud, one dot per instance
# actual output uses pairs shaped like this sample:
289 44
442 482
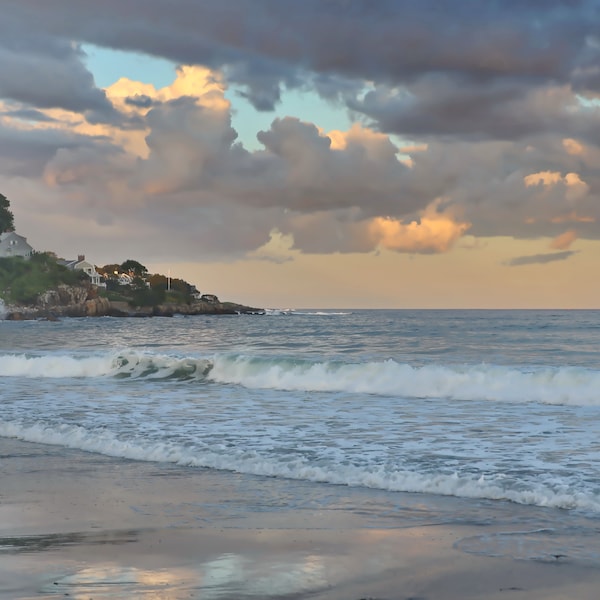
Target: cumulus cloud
499 186
469 117
431 233
186 171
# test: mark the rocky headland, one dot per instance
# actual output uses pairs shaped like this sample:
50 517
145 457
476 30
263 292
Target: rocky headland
83 301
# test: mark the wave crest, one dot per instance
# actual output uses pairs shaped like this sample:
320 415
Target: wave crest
129 364
565 385
549 385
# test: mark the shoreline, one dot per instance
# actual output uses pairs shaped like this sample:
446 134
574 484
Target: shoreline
83 525
101 307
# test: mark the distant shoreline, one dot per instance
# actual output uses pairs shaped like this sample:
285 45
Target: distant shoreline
102 307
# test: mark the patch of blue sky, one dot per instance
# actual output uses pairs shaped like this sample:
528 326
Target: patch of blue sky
306 106
588 102
108 66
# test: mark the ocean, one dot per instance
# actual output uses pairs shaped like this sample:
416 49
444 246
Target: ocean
381 412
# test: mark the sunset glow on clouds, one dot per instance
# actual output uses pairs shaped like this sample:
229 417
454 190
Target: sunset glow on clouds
488 129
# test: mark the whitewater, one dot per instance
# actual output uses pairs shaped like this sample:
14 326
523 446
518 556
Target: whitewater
491 405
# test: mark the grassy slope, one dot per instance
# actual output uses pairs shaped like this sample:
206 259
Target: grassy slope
22 281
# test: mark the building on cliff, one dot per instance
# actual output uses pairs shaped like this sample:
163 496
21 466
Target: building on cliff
12 244
87 267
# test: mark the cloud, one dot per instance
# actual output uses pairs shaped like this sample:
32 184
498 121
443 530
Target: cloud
462 63
186 172
468 116
29 114
573 146
278 250
474 110
139 100
26 150
540 259
564 240
392 41
433 232
41 71
498 186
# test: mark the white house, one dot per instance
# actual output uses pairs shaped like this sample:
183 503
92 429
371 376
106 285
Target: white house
87 267
12 244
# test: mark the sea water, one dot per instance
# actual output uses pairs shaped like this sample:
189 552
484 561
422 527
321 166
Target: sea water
498 406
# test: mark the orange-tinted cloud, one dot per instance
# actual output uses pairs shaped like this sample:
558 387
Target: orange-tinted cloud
546 178
564 240
574 187
573 147
433 232
572 217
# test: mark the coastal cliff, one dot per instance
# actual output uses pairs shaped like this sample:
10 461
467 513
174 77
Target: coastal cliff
82 301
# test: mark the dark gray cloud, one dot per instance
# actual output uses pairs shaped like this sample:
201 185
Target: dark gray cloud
393 42
29 114
140 101
45 72
26 152
115 119
540 259
436 106
261 82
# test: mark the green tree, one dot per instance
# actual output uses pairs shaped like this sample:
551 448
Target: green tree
133 266
158 282
6 216
108 269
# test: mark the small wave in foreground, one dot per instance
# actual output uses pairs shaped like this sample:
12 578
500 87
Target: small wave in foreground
465 485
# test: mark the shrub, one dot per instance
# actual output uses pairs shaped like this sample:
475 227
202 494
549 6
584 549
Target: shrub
22 281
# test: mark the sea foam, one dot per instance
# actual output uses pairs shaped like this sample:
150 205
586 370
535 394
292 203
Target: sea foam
548 385
467 485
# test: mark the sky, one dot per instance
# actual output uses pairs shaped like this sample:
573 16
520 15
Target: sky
314 153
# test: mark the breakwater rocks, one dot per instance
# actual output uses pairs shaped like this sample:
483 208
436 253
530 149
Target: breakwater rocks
200 307
75 301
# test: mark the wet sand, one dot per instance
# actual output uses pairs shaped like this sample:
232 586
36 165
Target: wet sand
79 525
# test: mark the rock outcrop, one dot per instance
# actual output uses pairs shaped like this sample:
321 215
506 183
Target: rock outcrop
83 301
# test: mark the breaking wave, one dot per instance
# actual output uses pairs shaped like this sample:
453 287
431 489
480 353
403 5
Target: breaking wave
123 365
548 385
466 485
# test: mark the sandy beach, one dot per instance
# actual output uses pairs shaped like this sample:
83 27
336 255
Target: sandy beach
80 525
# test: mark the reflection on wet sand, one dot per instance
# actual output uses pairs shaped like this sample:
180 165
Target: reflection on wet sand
115 581
226 576
268 564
